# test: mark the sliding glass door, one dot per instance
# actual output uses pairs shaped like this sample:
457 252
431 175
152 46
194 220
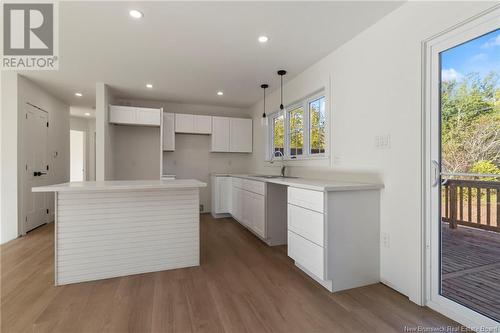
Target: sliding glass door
463 172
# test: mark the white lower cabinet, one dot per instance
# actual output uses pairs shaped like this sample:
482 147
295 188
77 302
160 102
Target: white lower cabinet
334 236
306 254
248 204
221 195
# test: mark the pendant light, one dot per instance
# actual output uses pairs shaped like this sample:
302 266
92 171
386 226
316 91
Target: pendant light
281 73
263 120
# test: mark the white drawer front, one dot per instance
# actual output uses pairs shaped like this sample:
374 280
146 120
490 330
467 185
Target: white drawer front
254 186
306 223
306 198
306 254
237 182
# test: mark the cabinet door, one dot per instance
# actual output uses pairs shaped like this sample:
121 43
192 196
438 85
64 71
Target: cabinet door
168 131
235 203
148 117
224 194
220 134
203 124
184 123
258 216
122 115
240 135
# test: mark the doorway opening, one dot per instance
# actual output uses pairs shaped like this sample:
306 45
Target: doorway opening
77 156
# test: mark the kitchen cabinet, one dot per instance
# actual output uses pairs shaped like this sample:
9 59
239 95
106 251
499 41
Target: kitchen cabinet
193 124
332 239
220 134
168 132
232 135
221 195
202 124
128 115
240 135
249 205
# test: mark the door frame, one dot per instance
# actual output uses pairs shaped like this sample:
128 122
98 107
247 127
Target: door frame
476 26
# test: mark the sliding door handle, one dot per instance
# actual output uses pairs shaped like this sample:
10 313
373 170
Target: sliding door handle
436 173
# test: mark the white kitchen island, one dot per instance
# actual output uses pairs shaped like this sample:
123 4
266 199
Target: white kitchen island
108 229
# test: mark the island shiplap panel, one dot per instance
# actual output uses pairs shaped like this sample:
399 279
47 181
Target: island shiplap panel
106 234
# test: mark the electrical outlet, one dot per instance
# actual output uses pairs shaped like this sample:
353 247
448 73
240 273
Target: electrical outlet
386 240
382 141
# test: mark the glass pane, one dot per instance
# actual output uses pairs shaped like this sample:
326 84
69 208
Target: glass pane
317 122
279 134
296 119
470 162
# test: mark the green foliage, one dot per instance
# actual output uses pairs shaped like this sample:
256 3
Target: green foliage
486 167
470 111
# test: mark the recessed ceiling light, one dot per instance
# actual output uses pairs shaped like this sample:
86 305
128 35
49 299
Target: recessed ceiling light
87 114
136 14
220 93
263 39
149 85
78 94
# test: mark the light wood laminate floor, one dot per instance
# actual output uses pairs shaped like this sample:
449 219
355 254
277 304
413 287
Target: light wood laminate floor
242 285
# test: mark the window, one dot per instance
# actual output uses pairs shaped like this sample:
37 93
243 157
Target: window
278 133
317 126
296 131
302 133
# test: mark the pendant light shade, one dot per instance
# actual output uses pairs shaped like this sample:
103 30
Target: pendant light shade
281 73
263 120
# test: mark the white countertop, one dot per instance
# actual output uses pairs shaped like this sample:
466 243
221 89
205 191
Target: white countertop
120 185
310 184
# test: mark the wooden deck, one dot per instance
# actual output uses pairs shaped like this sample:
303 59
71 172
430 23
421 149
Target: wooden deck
471 268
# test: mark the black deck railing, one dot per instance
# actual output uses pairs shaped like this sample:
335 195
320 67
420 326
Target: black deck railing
473 203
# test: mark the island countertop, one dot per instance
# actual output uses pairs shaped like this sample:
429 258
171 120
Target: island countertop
113 185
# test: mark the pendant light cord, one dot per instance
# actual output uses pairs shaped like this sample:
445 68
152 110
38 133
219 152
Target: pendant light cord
281 105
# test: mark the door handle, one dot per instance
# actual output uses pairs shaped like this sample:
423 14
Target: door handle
436 173
38 173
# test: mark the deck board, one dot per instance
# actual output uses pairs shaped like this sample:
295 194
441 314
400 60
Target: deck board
470 268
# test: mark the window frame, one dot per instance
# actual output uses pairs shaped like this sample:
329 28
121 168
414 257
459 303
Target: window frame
306 151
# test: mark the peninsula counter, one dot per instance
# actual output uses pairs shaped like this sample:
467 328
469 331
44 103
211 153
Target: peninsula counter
115 228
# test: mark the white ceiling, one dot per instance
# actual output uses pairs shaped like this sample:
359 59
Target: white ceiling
190 50
83 112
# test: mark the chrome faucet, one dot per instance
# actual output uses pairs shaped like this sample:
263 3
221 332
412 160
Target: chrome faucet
283 167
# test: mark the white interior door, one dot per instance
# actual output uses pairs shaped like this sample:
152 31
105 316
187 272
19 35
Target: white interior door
77 155
436 224
35 146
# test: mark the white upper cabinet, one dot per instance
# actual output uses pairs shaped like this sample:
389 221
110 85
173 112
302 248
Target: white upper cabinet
231 135
240 135
220 134
168 132
193 124
128 115
203 124
184 123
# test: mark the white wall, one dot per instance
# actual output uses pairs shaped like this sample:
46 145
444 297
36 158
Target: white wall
136 152
104 133
88 126
16 92
374 86
137 149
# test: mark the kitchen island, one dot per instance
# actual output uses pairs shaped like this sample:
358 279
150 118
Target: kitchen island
107 229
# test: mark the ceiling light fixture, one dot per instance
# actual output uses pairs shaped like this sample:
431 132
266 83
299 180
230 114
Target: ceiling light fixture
136 14
281 73
263 120
87 114
78 94
149 86
220 93
263 39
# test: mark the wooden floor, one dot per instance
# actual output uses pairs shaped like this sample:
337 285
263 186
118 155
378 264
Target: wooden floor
471 268
242 285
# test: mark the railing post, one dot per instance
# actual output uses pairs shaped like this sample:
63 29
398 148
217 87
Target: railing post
453 206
